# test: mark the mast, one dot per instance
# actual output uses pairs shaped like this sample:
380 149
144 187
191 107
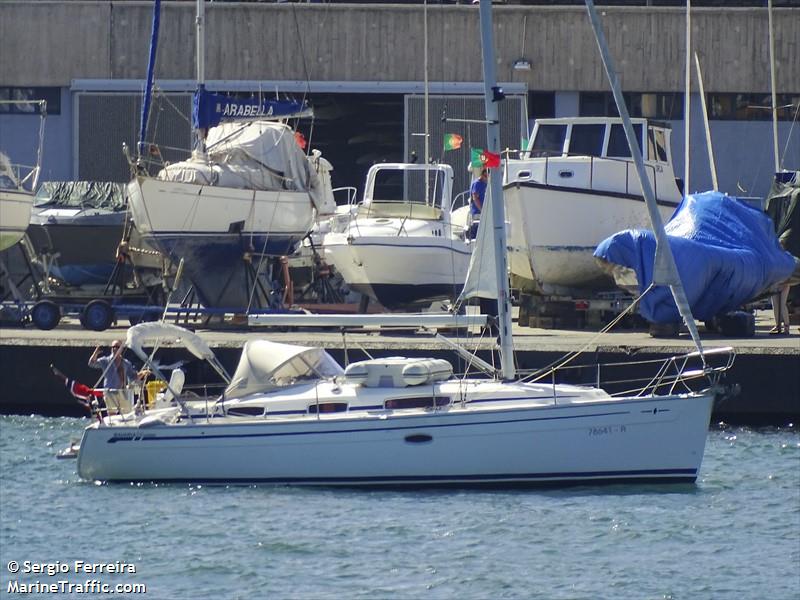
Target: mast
200 57
665 272
687 100
148 86
492 95
711 163
773 85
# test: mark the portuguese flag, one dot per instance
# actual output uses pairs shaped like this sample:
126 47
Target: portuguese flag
452 141
484 158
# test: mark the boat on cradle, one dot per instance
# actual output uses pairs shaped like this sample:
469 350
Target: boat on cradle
15 205
67 213
247 193
574 186
18 184
291 415
401 247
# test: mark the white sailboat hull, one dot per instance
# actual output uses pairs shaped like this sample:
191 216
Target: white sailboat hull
214 228
555 231
15 214
659 439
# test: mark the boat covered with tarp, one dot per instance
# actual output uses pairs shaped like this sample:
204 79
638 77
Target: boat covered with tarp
726 251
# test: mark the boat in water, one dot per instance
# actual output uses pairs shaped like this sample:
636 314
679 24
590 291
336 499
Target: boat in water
401 246
247 194
574 186
292 415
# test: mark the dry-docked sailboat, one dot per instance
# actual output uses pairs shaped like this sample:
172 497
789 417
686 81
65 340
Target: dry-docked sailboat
18 185
247 192
401 247
291 415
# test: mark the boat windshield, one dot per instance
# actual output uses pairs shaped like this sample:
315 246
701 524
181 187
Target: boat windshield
549 140
306 366
408 185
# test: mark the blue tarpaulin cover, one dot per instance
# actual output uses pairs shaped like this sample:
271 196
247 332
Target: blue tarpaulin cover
726 251
209 109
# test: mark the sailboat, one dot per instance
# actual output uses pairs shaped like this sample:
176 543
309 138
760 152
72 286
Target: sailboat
292 415
248 191
17 186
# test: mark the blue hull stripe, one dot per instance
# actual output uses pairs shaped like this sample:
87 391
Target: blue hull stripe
494 479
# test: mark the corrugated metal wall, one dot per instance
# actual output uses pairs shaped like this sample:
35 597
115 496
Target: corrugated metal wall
455 110
106 121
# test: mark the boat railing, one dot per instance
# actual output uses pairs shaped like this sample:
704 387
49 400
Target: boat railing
597 164
674 374
350 193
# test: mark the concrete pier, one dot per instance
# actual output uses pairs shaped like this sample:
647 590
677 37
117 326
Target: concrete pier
766 370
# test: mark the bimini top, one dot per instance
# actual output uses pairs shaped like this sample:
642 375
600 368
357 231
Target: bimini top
139 335
265 365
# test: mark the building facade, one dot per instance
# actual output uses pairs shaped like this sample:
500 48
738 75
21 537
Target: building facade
363 68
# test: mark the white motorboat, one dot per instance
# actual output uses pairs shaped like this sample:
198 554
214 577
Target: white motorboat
248 192
401 246
291 415
574 186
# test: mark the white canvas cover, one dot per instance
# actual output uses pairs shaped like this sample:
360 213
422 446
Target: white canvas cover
261 155
266 365
150 332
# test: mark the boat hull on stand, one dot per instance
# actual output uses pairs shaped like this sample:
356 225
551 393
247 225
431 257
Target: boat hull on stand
223 234
402 271
15 214
555 231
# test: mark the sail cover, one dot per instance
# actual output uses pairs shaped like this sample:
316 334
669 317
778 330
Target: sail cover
726 252
260 155
266 365
482 275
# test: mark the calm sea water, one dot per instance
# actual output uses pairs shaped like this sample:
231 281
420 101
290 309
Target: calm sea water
736 534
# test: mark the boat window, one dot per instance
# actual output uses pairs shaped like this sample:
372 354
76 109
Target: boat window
417 402
327 407
618 144
656 145
549 140
246 411
408 185
587 140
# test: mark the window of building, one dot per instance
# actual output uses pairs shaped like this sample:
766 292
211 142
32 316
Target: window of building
541 105
650 105
751 107
51 94
587 140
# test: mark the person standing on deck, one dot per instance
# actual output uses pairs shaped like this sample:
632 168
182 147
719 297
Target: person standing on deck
117 373
477 192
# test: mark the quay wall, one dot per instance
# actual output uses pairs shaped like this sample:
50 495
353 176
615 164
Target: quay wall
769 384
51 43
